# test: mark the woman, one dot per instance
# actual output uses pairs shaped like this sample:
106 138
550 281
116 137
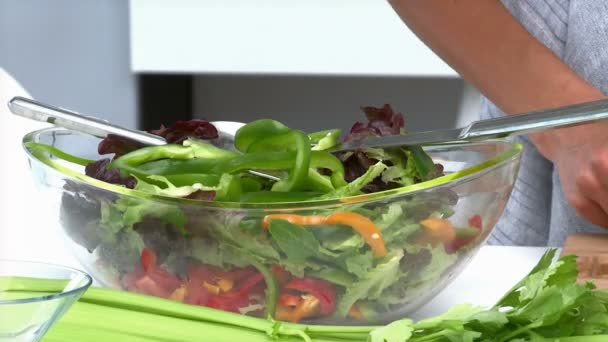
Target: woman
525 55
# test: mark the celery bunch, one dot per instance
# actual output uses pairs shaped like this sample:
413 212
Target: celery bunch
548 305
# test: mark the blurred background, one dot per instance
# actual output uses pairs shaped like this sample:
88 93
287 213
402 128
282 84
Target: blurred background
308 63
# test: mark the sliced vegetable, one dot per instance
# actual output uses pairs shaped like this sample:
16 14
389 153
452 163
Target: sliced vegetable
440 230
308 307
58 153
324 140
355 313
322 290
269 135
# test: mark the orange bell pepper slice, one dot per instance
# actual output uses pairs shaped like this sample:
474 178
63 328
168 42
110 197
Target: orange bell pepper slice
439 229
308 307
295 219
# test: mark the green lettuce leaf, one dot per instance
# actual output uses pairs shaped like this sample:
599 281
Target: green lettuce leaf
440 261
425 167
221 255
371 286
303 252
359 263
392 215
224 226
403 171
332 275
342 240
354 187
135 210
122 252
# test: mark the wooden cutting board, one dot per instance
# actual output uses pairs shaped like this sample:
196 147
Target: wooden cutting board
592 252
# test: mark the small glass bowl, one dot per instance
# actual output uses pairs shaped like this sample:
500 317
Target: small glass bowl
33 296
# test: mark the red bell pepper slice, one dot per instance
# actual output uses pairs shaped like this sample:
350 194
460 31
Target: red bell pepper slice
128 280
323 290
289 299
475 221
196 294
250 283
164 279
229 301
149 278
149 286
199 273
147 259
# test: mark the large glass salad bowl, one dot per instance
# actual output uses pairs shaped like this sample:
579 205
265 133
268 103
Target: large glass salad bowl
368 258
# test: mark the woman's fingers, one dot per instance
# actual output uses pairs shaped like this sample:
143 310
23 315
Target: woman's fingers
599 166
590 210
590 199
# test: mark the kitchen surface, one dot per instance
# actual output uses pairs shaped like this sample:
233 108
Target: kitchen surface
261 228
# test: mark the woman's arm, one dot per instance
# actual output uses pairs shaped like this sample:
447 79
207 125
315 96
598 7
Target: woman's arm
493 51
490 49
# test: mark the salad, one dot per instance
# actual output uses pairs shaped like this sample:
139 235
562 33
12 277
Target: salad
351 262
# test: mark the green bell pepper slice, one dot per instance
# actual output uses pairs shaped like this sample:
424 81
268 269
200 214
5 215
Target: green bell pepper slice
265 136
324 140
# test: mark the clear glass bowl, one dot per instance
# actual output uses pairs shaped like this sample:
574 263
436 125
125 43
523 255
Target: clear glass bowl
210 253
33 296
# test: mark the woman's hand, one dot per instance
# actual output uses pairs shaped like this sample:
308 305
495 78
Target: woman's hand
580 155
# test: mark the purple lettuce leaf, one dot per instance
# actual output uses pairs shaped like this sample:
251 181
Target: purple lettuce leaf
99 170
117 145
182 130
381 121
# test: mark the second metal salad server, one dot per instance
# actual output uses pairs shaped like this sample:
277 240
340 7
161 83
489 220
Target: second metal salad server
493 128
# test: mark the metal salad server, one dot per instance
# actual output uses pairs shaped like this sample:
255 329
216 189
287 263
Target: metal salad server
493 128
39 111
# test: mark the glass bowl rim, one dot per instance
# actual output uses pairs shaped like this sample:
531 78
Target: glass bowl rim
514 151
80 289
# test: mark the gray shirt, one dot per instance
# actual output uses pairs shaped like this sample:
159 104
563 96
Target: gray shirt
576 31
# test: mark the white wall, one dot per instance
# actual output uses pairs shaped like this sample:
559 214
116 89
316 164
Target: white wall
71 53
294 37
